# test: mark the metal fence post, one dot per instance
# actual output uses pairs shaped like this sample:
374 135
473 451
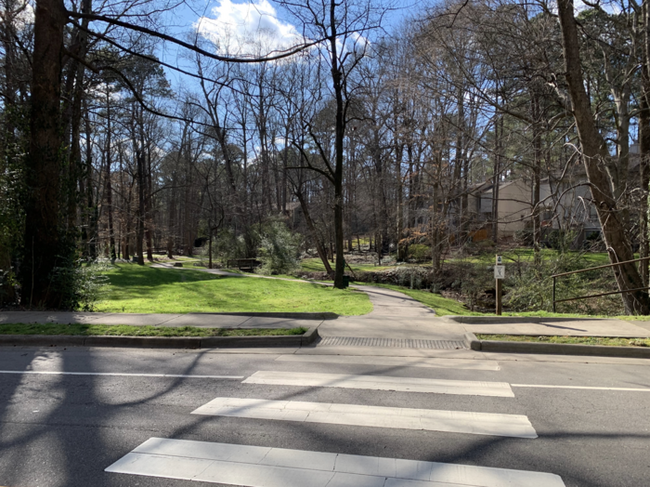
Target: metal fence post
554 278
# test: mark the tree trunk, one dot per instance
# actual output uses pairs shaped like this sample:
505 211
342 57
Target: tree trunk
322 253
109 185
92 207
339 135
171 228
595 156
498 134
644 174
644 142
148 214
141 211
43 235
537 176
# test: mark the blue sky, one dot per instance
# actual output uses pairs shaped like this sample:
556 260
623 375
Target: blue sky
241 19
250 27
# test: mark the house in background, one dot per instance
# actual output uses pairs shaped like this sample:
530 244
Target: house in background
514 208
564 205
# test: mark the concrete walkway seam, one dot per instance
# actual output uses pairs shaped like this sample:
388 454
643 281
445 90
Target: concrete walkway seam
309 337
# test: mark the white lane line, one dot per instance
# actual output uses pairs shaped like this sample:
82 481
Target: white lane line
120 374
255 466
586 388
508 425
394 361
382 383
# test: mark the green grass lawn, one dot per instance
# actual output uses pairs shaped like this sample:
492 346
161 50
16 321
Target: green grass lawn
548 314
77 329
592 259
136 289
446 307
316 265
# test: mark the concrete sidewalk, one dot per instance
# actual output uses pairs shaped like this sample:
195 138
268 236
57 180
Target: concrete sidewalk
201 320
397 321
511 325
514 325
394 316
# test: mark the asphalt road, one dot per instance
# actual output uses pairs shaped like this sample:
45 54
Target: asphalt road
65 428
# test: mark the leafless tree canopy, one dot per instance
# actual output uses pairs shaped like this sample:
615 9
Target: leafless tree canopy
125 134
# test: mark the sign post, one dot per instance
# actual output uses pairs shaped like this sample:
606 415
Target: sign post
499 275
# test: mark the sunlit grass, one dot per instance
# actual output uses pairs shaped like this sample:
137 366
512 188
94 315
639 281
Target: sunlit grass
316 265
528 255
606 341
137 289
77 329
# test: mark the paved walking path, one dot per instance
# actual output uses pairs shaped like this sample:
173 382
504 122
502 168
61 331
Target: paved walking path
394 316
396 320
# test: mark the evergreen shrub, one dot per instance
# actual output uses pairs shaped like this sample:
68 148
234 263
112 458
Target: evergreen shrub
279 249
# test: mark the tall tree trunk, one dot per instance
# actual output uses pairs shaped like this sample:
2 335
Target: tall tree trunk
109 183
401 255
74 94
139 239
380 189
339 135
148 207
595 156
91 205
322 253
498 135
43 233
644 176
644 142
171 228
536 115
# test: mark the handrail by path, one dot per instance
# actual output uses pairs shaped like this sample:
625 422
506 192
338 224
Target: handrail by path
555 276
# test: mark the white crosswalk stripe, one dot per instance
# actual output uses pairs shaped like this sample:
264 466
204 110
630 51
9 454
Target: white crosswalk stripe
255 466
441 363
382 383
509 425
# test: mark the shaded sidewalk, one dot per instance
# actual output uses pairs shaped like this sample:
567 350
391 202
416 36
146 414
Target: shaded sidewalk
396 320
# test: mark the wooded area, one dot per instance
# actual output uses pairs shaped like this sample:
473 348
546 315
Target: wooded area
350 132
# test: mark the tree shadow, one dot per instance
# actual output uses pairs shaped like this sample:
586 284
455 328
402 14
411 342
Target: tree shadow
78 432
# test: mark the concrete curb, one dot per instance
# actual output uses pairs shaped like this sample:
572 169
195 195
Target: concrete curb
19 316
309 337
554 348
472 342
291 316
502 320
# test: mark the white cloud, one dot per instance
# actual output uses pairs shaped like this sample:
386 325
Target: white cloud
247 28
22 14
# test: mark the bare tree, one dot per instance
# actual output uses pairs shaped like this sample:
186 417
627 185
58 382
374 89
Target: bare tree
342 26
596 158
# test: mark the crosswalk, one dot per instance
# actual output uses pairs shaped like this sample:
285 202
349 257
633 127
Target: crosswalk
258 466
508 425
381 383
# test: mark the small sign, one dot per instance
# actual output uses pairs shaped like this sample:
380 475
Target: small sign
499 272
499 260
